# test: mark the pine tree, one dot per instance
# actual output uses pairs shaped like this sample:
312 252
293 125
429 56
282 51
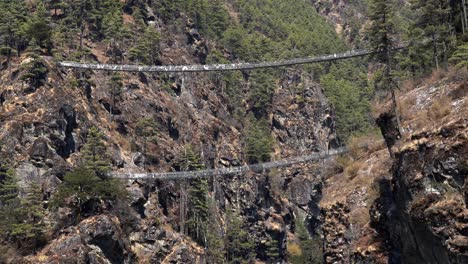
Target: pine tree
35 71
94 153
21 219
8 187
29 229
198 210
382 33
259 142
115 88
433 17
311 247
38 27
83 185
239 247
460 56
147 49
261 92
13 17
146 129
197 204
198 193
272 250
214 238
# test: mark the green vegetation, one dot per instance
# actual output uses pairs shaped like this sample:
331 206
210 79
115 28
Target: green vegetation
272 250
21 219
215 247
35 72
89 184
198 197
381 36
239 247
82 186
94 154
259 142
147 48
115 88
311 248
147 130
460 56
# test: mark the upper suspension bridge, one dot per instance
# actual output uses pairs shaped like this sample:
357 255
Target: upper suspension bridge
218 67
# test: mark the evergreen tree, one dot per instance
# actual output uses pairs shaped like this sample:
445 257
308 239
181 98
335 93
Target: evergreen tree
311 248
433 17
21 219
239 247
272 250
214 238
8 187
29 229
416 58
460 57
198 210
198 201
262 87
147 49
35 71
13 17
147 130
38 27
83 185
259 142
94 153
115 87
382 33
198 193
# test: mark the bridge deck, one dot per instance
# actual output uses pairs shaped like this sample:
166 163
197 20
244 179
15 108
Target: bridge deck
229 171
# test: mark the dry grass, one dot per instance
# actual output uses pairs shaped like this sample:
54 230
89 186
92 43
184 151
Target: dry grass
405 108
359 217
352 170
436 76
440 108
294 249
379 106
361 146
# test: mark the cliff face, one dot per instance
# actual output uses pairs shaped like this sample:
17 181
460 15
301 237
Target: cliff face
414 209
44 128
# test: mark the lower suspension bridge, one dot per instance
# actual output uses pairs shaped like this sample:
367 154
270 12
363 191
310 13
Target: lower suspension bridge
260 167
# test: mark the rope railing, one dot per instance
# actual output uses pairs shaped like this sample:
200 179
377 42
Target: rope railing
230 171
217 67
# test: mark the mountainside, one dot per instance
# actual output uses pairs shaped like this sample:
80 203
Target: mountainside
46 127
63 132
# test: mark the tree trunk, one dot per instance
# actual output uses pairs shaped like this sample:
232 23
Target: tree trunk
434 46
395 110
464 18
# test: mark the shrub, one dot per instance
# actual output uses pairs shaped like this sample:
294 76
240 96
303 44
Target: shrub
294 249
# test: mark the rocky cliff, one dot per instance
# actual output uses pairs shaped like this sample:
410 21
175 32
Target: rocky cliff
410 209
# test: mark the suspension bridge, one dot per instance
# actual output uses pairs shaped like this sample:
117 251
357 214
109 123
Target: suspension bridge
260 167
219 67
224 67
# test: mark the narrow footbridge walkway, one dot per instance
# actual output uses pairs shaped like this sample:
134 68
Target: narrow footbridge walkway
229 171
218 67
